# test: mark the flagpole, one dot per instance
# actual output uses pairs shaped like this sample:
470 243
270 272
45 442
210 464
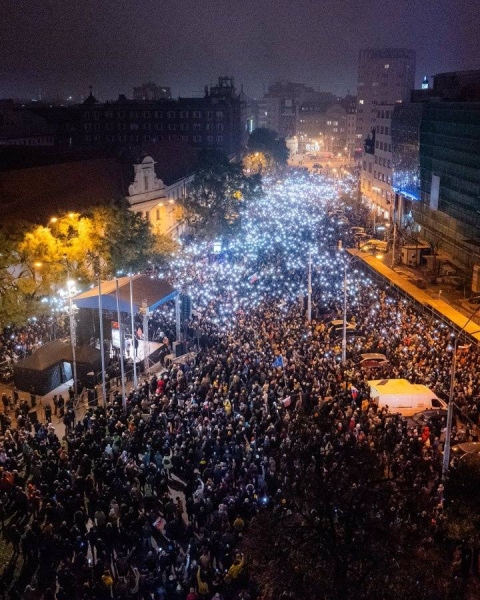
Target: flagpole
122 371
102 348
133 335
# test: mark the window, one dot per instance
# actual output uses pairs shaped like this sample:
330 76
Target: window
386 130
184 127
209 126
96 115
364 165
197 138
210 139
197 127
197 114
374 174
159 126
133 114
158 114
184 114
210 114
147 215
88 126
121 114
220 126
387 66
376 160
158 214
220 139
376 144
171 114
146 114
185 138
369 167
361 101
108 114
133 126
389 164
146 138
171 126
147 126
219 114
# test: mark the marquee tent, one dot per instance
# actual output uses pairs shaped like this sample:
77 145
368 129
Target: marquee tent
153 291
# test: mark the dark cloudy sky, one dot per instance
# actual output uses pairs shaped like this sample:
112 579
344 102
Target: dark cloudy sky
64 46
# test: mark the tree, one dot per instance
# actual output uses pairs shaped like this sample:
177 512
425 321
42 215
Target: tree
127 243
36 262
257 163
216 196
269 143
336 529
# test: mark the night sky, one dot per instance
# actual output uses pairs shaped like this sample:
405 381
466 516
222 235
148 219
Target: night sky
61 47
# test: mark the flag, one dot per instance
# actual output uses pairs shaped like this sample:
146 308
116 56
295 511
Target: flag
253 278
278 362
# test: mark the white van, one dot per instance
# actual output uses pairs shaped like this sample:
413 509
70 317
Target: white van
401 396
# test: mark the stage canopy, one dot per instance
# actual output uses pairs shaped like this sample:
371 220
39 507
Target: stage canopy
153 291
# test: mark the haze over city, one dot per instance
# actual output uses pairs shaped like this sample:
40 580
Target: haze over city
60 48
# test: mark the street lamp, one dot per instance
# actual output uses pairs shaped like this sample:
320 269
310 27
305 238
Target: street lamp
448 433
73 337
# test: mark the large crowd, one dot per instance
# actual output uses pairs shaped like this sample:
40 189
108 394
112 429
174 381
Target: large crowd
154 502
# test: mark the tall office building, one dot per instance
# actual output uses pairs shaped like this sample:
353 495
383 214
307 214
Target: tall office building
386 78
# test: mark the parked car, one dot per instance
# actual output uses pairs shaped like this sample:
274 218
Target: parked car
355 230
373 360
436 418
336 326
374 246
459 451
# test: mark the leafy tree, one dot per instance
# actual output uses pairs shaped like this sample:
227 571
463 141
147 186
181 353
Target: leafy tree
126 241
269 143
216 196
36 262
339 529
257 163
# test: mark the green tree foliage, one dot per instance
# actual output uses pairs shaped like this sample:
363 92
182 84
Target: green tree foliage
37 262
125 239
269 143
340 528
216 196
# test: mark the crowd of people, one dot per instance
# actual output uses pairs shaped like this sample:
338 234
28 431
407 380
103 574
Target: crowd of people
154 501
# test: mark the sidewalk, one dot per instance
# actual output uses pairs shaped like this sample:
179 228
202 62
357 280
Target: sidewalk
438 300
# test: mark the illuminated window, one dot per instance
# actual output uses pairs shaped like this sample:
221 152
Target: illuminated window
361 101
387 66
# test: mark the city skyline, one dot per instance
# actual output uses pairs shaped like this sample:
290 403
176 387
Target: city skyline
62 49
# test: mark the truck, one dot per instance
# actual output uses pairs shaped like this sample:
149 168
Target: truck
401 396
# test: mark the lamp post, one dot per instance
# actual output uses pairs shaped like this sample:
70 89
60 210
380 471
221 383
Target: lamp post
448 433
73 337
